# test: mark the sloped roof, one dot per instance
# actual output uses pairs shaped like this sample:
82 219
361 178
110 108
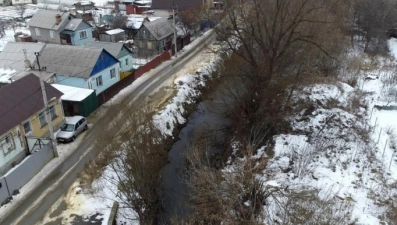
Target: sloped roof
21 99
159 28
13 57
74 24
69 60
113 48
74 94
181 4
46 19
135 21
115 31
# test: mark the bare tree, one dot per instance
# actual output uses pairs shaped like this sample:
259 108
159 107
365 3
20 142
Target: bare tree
374 19
21 9
134 157
275 44
190 19
118 21
3 26
234 196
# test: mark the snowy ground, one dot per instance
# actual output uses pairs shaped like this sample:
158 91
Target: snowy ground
342 149
9 35
97 200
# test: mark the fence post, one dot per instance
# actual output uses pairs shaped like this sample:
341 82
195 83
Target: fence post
379 135
391 159
370 117
376 121
8 190
384 149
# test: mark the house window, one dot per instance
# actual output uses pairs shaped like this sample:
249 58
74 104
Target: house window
52 34
42 119
27 128
83 34
126 62
37 31
112 73
7 144
53 112
99 81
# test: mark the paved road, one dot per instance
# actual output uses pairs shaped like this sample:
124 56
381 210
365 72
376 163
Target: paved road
56 184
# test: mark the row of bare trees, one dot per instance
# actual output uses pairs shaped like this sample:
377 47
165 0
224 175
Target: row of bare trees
274 47
371 21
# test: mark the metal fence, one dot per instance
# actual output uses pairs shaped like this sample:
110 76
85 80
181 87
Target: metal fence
23 172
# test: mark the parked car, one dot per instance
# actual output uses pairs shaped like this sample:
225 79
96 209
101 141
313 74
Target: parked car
72 128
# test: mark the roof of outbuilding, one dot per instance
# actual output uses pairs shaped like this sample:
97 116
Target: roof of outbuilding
13 56
46 19
70 60
159 28
21 99
113 48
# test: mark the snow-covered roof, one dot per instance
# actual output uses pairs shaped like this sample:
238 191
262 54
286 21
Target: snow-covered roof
115 31
143 2
6 74
72 93
85 2
151 19
135 21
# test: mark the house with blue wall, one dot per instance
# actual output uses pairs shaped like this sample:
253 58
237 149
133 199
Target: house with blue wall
57 27
82 67
118 50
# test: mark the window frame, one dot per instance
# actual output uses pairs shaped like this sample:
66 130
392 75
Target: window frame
53 112
10 141
42 116
126 61
52 34
113 73
37 31
99 81
30 127
85 36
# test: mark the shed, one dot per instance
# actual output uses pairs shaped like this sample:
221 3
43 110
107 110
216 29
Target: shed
77 101
114 35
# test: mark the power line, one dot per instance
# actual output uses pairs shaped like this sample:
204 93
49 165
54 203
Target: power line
19 103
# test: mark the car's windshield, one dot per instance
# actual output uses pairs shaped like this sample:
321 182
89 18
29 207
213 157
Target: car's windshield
67 127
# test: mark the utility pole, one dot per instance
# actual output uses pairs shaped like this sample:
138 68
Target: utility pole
173 18
46 112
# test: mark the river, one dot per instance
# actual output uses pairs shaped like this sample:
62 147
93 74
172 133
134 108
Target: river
174 188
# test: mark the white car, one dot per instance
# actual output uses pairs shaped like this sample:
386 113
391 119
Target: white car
72 128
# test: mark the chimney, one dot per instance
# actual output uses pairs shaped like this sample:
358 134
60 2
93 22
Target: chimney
58 19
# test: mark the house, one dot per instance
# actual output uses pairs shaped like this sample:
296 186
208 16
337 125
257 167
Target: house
133 24
82 67
83 10
114 35
118 50
59 28
154 36
14 55
22 114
